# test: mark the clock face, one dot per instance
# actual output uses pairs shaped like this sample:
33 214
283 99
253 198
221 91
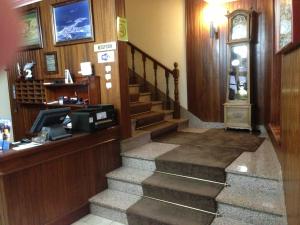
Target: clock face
239 27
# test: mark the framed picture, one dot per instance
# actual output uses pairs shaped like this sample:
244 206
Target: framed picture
31 32
51 65
287 16
72 22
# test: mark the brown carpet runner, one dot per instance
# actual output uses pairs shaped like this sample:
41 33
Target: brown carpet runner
203 156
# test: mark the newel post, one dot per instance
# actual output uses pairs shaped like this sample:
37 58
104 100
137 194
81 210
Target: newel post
176 92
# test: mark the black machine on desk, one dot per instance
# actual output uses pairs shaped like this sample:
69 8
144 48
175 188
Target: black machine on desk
94 117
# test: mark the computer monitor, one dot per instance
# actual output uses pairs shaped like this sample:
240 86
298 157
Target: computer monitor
51 121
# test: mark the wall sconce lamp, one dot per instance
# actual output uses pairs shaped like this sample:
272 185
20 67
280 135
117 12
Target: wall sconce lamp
214 15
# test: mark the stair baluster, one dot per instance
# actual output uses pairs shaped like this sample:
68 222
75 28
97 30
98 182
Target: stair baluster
176 92
168 102
132 78
155 81
174 73
144 73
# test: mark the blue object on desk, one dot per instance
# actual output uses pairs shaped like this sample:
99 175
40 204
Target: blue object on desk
4 145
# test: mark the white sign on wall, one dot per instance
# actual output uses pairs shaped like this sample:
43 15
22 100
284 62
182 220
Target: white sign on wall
105 47
106 57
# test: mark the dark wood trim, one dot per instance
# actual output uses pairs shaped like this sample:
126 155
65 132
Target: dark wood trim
125 121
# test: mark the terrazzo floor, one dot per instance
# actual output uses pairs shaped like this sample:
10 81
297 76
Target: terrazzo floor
95 220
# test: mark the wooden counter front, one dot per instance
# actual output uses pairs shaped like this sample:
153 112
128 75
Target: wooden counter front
51 184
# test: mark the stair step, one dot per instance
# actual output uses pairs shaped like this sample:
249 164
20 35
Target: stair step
134 88
252 199
149 212
149 151
228 221
253 207
256 170
182 123
140 107
128 180
148 118
168 113
261 164
95 220
161 128
140 97
138 138
184 191
134 97
129 175
112 205
145 97
250 183
201 162
157 105
143 156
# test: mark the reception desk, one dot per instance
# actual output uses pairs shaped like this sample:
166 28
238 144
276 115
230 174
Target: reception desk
51 184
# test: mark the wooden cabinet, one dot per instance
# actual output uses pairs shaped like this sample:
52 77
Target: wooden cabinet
30 91
52 183
87 88
238 106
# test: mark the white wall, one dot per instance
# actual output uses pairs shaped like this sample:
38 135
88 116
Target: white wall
5 112
158 27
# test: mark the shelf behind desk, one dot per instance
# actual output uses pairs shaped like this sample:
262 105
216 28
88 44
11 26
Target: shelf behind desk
51 184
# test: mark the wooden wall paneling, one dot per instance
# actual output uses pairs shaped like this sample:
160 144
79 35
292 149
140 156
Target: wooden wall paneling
290 132
124 78
70 57
206 60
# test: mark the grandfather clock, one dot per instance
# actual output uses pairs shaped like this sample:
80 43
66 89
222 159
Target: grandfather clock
241 36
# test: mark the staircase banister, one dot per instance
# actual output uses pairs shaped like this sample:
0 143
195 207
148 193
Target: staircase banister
151 58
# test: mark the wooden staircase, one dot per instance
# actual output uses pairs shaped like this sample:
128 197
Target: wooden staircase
148 115
151 109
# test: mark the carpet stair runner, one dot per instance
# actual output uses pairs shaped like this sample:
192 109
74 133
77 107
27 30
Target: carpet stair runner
149 115
139 193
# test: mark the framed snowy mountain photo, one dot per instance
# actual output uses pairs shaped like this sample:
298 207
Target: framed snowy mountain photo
72 22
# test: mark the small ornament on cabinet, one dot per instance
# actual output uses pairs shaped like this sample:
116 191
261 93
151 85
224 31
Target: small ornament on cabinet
25 72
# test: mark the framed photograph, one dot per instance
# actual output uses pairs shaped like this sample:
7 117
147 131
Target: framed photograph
31 32
51 65
287 16
72 22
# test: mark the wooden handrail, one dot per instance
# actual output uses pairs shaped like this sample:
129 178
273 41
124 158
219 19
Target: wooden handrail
150 57
156 64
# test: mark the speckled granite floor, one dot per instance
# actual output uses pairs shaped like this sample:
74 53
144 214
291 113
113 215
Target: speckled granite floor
95 220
